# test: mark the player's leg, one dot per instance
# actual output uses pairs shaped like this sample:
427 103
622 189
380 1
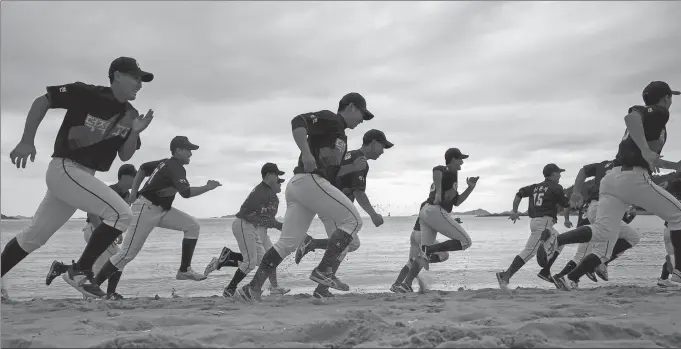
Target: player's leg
176 219
537 226
266 245
322 291
669 263
428 234
310 244
246 238
414 251
440 220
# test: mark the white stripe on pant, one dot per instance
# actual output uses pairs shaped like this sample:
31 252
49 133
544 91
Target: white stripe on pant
306 196
71 187
434 219
537 227
618 190
586 248
145 217
106 255
251 244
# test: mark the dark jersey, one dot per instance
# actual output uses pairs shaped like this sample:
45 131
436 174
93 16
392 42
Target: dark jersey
350 176
167 177
544 199
584 218
327 140
260 207
122 193
655 120
95 126
449 182
596 170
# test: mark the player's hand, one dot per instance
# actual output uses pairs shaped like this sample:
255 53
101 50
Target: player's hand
514 216
119 239
141 122
360 163
653 160
567 224
131 199
377 219
309 163
472 181
458 220
213 184
21 153
576 200
437 200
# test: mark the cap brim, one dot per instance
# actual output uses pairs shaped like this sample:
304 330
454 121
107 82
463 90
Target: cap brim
367 114
387 144
144 76
676 93
463 156
281 180
281 173
192 146
561 170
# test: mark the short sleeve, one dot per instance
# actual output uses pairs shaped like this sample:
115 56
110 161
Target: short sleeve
590 170
178 175
313 124
68 96
525 192
148 167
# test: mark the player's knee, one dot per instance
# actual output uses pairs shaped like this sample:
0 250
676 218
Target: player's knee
284 248
120 219
466 243
248 265
354 244
192 231
351 225
30 241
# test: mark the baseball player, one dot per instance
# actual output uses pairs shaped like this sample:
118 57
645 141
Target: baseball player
321 138
126 175
674 187
435 216
414 251
627 237
255 216
99 124
153 208
351 181
628 183
544 199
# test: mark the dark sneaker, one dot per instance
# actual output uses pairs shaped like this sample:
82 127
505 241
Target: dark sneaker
404 288
229 292
248 294
82 280
57 268
602 271
322 293
591 276
114 296
395 288
547 248
503 283
328 279
560 283
303 248
546 276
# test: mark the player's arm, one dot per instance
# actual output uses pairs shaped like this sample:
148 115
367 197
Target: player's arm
359 185
256 203
35 116
130 146
146 169
460 198
437 182
670 165
634 123
524 192
302 125
179 178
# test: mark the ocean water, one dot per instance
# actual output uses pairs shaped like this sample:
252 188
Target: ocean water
372 268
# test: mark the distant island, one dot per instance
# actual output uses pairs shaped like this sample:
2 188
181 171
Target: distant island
14 217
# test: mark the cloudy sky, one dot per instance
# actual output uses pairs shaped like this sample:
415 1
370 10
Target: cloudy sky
515 85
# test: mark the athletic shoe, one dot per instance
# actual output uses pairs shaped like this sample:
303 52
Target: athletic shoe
395 288
5 295
83 281
114 296
404 288
546 276
328 279
303 248
57 268
279 291
676 276
189 275
591 276
666 283
323 293
572 285
229 292
547 248
248 294
224 257
211 267
602 271
560 283
503 283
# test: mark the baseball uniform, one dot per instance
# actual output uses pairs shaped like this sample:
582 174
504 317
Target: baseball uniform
673 187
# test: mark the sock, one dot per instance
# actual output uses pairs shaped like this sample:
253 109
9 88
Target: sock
188 246
238 276
113 282
574 236
547 270
273 278
402 275
414 271
449 245
588 264
321 244
233 261
515 266
337 243
105 273
665 272
568 268
12 255
620 246
270 261
101 238
675 236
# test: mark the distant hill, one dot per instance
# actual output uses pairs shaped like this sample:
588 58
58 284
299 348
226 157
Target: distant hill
478 212
14 217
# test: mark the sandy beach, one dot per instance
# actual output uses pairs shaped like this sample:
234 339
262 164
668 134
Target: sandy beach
616 316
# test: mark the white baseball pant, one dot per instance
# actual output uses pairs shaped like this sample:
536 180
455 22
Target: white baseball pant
308 195
71 187
621 188
415 247
537 226
251 244
330 226
586 248
434 219
145 217
106 255
668 246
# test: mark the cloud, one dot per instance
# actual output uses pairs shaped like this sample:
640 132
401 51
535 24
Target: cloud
514 84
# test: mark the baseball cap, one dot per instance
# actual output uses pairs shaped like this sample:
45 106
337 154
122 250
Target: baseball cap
658 89
454 153
551 168
358 101
376 135
127 169
182 142
130 66
271 168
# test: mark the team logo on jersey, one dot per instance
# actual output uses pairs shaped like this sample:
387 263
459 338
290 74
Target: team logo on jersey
96 124
340 145
348 155
62 89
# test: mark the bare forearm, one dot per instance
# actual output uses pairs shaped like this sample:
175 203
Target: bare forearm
669 165
516 203
364 202
35 116
300 136
634 124
579 182
566 214
129 147
463 196
196 191
136 183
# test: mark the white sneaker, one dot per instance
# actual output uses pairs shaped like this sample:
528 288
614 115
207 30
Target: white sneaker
189 275
676 277
211 267
602 271
279 291
666 283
